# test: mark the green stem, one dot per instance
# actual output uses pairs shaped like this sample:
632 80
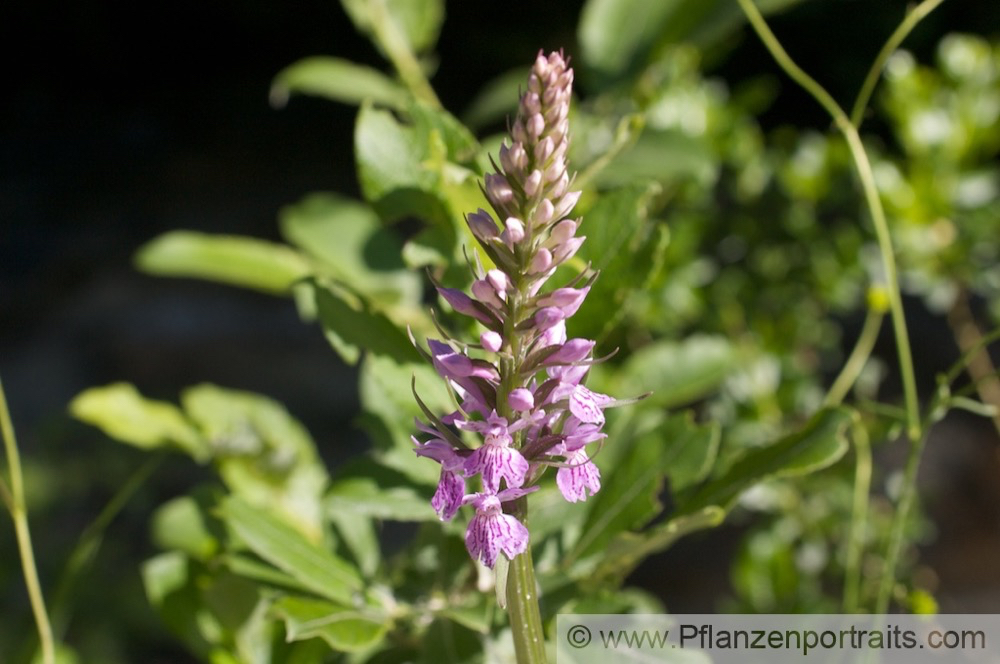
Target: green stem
856 362
871 80
867 177
19 514
90 540
522 601
897 536
859 517
397 49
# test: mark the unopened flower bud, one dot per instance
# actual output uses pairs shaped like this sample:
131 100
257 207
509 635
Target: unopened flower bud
513 159
499 281
498 189
544 149
567 249
543 213
547 317
566 204
532 103
541 261
482 225
568 300
535 125
572 351
521 399
533 183
562 232
554 335
491 341
462 303
518 133
486 294
555 170
514 232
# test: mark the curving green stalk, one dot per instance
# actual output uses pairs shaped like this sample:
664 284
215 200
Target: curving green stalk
397 49
14 500
859 516
856 361
874 204
905 28
914 427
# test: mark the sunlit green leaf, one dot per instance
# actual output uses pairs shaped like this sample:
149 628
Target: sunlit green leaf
182 524
617 36
287 549
817 445
262 452
678 372
628 549
230 259
662 156
630 495
124 414
344 629
337 79
617 233
351 325
418 21
170 587
389 155
371 490
357 532
351 245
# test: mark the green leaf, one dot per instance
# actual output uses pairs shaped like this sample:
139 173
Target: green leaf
419 21
287 549
617 235
460 145
496 100
351 325
358 533
615 34
389 155
344 629
628 549
617 37
181 524
170 587
678 372
662 156
350 244
263 453
125 415
388 402
230 259
817 445
629 497
339 80
372 490
252 568
691 449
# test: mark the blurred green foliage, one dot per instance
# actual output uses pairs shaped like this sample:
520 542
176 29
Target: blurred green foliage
729 260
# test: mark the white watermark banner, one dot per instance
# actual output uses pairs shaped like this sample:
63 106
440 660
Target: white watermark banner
778 639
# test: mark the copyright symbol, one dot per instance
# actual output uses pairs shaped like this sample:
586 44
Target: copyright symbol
578 636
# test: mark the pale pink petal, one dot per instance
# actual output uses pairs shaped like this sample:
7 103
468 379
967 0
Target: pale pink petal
578 476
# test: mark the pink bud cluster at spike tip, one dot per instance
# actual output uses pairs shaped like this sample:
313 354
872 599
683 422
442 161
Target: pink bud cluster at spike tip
520 389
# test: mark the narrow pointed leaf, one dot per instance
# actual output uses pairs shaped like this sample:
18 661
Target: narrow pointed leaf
287 549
